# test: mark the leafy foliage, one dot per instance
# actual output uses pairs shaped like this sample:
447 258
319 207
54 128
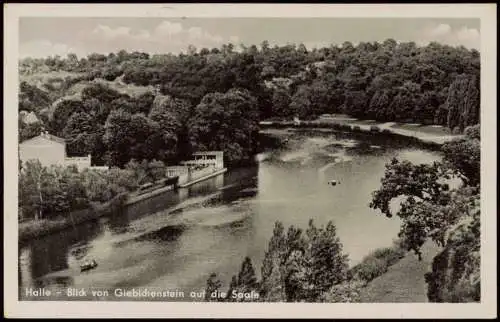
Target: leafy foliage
429 209
227 122
377 263
463 102
345 292
388 81
464 157
297 266
213 285
456 275
31 98
49 192
246 281
29 130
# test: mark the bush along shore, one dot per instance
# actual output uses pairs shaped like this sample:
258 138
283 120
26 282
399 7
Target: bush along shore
377 263
34 229
121 185
56 197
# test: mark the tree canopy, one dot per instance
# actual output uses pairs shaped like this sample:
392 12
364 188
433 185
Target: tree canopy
386 81
430 209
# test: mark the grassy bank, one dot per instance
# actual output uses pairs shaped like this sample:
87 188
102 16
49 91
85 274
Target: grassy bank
403 282
359 278
34 229
390 275
377 263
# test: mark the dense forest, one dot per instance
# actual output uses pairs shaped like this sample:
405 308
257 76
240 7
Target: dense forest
125 106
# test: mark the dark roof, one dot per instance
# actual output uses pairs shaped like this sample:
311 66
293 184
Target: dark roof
49 137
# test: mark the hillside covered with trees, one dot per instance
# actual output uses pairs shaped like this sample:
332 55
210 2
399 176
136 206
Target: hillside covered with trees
125 106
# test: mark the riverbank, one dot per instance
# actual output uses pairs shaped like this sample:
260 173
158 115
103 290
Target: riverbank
404 282
392 275
426 135
34 229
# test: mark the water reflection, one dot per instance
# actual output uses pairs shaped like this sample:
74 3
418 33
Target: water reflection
51 254
206 186
119 222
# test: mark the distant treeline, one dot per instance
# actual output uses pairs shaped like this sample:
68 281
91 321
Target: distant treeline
214 98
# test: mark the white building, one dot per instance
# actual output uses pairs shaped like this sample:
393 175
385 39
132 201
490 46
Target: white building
202 164
214 159
50 149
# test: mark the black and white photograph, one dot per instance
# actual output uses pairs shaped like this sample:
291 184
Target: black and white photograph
167 155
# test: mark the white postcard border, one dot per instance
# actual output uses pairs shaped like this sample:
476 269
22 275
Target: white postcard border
487 307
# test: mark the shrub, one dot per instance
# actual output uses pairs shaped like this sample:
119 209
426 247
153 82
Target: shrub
335 126
390 255
345 127
473 132
369 269
356 128
456 130
374 128
386 131
346 292
377 263
118 202
110 74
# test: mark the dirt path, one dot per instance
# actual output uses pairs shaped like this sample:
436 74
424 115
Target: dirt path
404 282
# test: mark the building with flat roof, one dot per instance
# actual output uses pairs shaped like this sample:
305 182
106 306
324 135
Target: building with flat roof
213 159
202 164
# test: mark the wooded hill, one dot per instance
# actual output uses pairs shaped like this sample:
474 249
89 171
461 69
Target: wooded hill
135 105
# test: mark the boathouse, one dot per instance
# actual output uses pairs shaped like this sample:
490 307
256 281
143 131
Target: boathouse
201 165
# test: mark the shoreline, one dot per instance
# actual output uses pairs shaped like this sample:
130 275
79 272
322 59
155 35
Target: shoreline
351 125
32 230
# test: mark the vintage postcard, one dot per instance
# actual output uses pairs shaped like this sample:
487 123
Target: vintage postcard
278 160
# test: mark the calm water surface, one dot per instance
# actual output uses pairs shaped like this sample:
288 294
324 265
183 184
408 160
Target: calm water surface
174 241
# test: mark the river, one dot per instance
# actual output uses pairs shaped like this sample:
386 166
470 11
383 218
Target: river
175 240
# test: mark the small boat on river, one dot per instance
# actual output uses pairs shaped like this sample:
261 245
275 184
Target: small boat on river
88 265
333 182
